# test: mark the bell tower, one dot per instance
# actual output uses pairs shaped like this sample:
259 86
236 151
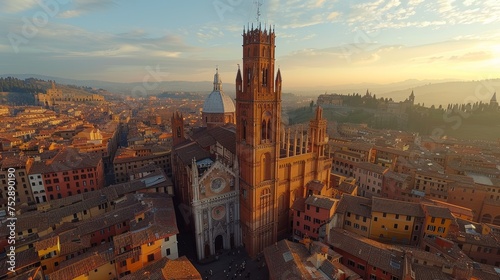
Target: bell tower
258 119
177 124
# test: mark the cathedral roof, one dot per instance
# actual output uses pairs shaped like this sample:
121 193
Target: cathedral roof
217 101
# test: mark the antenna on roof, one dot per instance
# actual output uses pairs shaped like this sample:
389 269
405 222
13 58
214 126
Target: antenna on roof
258 4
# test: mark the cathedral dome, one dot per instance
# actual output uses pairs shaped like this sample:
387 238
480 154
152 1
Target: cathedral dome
217 101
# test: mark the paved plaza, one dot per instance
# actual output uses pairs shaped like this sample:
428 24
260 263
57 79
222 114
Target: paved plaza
233 264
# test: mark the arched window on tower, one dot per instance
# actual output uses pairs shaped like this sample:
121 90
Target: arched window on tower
264 77
266 166
249 76
244 129
266 127
178 132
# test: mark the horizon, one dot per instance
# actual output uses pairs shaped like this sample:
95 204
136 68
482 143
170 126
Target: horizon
319 43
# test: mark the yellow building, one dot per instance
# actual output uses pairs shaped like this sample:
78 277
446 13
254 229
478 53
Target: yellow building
89 266
152 236
438 220
396 221
48 251
354 214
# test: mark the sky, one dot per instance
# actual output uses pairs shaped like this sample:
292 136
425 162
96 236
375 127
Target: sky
318 42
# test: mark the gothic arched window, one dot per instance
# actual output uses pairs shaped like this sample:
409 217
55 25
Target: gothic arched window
244 129
249 75
266 126
266 166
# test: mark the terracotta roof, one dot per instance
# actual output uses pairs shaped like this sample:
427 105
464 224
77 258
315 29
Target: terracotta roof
19 162
392 151
180 268
23 259
424 272
304 260
355 145
159 222
384 205
111 218
284 260
192 150
65 207
455 209
125 155
66 159
321 201
46 243
72 242
400 177
377 254
82 267
346 152
485 272
355 204
438 212
31 274
151 271
371 167
346 187
166 269
224 135
421 255
315 185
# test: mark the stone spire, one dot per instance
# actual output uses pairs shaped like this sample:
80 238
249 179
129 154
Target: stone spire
217 80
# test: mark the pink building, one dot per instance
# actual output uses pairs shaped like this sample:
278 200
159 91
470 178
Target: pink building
310 213
369 178
69 173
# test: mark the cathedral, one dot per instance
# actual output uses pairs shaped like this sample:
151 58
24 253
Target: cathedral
241 173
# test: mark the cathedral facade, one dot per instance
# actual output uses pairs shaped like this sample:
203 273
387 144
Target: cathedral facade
205 169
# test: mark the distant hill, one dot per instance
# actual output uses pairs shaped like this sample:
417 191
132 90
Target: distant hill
449 92
132 88
428 92
362 87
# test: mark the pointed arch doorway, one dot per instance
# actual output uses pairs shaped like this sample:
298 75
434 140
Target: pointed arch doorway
219 243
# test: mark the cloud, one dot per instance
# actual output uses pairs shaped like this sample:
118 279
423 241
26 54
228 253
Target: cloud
473 56
319 3
301 24
333 15
303 13
415 2
374 15
16 6
94 5
445 6
208 33
66 40
71 13
82 7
